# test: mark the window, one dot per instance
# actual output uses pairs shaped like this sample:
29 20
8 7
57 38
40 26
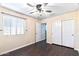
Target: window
13 25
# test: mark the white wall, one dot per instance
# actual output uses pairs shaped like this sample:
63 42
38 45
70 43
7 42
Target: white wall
8 43
71 15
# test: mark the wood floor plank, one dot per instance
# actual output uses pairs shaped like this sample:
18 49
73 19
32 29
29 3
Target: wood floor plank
43 49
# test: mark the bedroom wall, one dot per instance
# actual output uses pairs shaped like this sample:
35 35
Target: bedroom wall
9 43
70 15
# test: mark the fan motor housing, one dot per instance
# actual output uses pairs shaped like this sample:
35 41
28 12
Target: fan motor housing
39 7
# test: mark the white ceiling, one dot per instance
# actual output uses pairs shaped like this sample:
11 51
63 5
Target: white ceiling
56 8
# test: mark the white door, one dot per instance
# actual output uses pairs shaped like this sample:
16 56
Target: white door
56 32
68 33
38 32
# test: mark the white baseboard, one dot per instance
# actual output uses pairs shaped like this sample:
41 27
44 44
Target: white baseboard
49 43
16 48
77 50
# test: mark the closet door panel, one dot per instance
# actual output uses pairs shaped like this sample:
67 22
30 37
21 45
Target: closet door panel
56 32
68 33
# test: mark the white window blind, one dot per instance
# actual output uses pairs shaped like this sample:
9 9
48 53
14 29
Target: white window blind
13 25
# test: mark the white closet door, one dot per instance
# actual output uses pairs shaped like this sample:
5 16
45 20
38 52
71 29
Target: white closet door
68 33
56 32
38 32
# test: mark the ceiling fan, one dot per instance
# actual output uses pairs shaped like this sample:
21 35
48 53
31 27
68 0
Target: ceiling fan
39 8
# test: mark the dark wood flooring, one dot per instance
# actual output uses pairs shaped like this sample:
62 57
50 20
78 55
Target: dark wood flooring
43 49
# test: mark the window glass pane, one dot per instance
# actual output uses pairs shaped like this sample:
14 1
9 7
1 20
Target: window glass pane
13 26
6 25
20 28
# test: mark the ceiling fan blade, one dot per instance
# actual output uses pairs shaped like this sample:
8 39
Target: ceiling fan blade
45 4
30 5
31 12
49 11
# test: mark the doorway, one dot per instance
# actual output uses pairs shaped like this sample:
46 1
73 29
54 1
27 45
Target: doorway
43 31
41 34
